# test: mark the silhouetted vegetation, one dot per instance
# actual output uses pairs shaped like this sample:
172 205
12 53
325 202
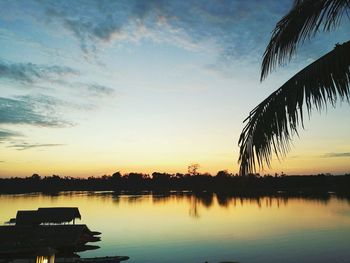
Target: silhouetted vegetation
223 182
271 125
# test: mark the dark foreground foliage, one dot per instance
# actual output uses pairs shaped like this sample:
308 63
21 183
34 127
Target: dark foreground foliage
223 182
271 125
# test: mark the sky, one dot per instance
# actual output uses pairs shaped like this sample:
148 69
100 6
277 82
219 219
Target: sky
96 86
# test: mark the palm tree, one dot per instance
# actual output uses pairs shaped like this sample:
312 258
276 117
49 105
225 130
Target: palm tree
271 124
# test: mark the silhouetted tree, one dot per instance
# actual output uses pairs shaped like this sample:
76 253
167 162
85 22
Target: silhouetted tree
179 175
161 176
271 124
193 169
203 185
116 175
223 173
35 177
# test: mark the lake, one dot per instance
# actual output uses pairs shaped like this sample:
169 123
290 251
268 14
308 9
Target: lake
182 227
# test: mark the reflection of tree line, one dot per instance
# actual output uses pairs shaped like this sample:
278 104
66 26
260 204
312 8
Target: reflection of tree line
208 199
198 201
222 183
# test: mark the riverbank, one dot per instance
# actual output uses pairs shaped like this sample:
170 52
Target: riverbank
233 185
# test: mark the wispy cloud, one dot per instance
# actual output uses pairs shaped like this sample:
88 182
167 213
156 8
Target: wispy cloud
100 90
7 134
61 76
27 146
28 110
339 154
234 27
29 72
233 30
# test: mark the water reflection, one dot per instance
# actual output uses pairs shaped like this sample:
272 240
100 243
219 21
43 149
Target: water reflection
195 201
199 227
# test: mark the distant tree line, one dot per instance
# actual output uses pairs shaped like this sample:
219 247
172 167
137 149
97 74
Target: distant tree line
222 182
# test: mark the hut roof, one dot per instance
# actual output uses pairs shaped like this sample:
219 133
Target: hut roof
58 214
47 215
29 217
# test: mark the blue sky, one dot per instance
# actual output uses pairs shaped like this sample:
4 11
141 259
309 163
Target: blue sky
92 87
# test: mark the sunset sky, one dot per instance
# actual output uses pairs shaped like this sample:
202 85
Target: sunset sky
94 87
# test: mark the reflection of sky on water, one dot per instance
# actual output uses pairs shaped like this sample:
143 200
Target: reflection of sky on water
188 228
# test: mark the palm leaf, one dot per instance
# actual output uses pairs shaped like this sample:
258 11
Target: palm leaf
303 21
272 123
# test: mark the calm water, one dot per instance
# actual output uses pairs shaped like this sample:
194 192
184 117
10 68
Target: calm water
185 228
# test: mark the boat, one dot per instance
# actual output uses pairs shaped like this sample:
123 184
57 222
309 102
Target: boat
114 259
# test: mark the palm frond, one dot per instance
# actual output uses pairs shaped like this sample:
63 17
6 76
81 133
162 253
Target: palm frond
271 124
303 21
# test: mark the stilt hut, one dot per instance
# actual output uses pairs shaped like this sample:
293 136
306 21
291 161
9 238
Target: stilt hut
50 215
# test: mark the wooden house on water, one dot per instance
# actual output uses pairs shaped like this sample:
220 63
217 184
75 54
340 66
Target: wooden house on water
50 215
45 228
